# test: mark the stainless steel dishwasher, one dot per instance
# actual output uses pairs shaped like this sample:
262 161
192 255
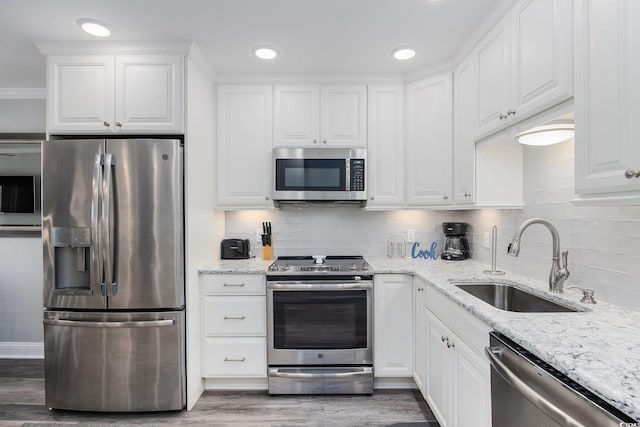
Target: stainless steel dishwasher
527 392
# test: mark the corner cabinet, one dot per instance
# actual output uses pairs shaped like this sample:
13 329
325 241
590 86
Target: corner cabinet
607 139
320 116
524 64
458 376
393 325
244 146
385 170
125 94
464 144
429 141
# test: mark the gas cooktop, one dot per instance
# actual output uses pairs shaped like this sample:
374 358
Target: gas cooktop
300 265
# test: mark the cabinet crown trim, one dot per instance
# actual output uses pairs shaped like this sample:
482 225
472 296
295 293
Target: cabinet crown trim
115 47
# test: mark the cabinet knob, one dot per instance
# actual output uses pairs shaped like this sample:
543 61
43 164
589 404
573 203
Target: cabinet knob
315 140
324 141
106 123
502 116
443 339
445 197
119 124
630 173
266 197
450 344
373 197
420 289
511 113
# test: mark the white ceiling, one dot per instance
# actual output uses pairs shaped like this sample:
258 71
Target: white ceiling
312 36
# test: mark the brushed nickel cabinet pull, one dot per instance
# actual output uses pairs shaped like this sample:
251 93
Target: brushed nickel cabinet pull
235 317
238 285
229 359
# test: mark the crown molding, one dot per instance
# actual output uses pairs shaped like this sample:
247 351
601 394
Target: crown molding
23 93
114 47
309 78
200 60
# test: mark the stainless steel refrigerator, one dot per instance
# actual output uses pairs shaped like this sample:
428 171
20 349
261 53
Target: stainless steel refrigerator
113 237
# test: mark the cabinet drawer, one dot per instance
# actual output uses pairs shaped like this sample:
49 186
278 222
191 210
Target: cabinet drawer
235 315
235 357
464 324
234 284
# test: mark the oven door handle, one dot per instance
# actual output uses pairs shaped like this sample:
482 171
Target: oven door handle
320 286
307 376
540 401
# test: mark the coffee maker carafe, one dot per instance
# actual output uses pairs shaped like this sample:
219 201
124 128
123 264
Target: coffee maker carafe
456 245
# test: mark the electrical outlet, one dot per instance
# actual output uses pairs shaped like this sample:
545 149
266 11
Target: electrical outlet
487 240
258 235
411 235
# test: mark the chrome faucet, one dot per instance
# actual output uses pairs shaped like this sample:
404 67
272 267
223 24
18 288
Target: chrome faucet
559 272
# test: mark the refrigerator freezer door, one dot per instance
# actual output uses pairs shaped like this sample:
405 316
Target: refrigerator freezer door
116 362
147 219
72 173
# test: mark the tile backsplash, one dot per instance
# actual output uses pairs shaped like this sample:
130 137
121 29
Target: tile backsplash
603 242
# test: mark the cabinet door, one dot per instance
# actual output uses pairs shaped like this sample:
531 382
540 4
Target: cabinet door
386 146
244 146
440 372
607 93
464 144
296 116
429 141
542 55
494 79
80 94
472 389
420 333
343 116
393 320
149 93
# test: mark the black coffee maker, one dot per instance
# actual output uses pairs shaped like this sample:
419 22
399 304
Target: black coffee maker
456 245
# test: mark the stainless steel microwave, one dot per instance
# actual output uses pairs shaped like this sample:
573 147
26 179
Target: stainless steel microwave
320 174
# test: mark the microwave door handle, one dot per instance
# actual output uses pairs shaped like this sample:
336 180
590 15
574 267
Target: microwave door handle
96 245
347 172
109 265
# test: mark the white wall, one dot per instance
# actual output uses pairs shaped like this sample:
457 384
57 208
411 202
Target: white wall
22 116
603 242
335 229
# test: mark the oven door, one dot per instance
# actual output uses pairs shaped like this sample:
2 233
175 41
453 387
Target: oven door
319 323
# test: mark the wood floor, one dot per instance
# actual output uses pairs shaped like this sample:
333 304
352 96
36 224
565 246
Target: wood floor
22 404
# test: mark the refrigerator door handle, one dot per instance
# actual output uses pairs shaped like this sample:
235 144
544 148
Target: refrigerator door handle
109 268
96 247
89 324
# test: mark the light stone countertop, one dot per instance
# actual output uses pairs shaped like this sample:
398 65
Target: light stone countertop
598 348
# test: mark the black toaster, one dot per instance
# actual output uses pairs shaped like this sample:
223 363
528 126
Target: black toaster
234 249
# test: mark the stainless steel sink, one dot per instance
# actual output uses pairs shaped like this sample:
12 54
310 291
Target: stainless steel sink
505 296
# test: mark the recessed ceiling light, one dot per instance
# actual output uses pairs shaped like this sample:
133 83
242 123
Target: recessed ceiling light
93 27
265 52
549 133
403 53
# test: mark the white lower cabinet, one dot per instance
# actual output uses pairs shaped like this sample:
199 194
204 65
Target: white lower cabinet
393 325
419 333
234 326
458 380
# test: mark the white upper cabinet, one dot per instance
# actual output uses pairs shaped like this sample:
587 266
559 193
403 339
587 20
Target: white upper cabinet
607 139
125 94
464 120
385 168
326 116
296 115
429 141
244 146
525 64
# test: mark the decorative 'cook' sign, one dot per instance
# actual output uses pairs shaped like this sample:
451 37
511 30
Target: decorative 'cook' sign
425 254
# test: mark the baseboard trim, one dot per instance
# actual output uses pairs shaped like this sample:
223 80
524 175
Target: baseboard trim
21 350
394 383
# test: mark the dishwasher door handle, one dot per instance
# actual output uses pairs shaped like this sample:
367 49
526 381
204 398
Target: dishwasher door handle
544 404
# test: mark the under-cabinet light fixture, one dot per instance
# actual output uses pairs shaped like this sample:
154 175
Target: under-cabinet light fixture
553 132
403 53
94 27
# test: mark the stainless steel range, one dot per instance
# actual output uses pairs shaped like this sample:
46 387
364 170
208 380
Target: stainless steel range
320 325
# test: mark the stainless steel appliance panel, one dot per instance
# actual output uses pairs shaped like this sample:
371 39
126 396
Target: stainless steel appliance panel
321 380
147 212
527 392
71 171
120 362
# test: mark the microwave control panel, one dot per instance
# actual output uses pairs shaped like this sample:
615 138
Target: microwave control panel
357 174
